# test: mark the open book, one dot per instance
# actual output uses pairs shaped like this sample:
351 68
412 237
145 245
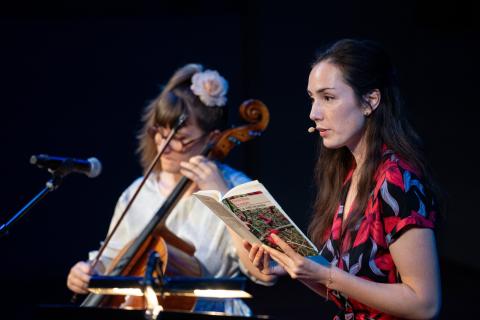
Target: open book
254 215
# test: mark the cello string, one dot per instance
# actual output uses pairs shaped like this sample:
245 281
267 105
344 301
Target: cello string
181 121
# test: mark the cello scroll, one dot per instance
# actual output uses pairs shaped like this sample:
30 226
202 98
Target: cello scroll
252 111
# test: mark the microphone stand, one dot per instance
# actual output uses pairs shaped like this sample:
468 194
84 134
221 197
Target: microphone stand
51 185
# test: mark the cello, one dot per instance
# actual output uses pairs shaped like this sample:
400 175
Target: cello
176 255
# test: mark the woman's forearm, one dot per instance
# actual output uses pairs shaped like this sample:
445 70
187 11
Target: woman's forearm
316 287
397 299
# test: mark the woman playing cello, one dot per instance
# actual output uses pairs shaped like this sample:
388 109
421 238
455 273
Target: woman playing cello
201 95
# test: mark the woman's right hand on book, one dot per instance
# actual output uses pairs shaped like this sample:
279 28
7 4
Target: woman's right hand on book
260 258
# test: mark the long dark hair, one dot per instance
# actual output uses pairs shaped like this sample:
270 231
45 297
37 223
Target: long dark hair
365 66
177 98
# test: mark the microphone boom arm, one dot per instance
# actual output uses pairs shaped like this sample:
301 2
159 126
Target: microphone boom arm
51 185
59 168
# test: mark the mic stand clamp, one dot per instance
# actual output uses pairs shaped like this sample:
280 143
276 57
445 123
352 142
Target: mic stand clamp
154 264
50 185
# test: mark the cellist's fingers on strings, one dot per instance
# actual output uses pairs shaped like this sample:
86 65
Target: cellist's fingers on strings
199 160
201 166
79 277
204 173
192 171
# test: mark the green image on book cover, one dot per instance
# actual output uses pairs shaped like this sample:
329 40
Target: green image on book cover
262 221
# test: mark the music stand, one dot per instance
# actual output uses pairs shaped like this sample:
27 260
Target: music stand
150 287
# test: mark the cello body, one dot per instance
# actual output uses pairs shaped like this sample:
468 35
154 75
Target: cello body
177 259
176 255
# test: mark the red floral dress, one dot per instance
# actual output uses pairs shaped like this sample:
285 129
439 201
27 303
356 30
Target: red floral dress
398 202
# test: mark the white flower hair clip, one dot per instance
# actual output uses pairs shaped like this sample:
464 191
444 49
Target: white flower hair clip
210 87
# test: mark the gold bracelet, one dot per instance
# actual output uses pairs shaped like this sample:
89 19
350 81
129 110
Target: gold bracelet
329 282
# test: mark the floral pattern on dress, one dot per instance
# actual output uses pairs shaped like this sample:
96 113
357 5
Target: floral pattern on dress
398 202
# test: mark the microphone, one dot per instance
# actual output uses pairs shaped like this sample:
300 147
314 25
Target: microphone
92 167
311 130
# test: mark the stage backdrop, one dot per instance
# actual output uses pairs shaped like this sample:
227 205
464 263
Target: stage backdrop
74 79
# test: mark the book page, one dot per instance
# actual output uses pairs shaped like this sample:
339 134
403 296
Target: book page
215 194
244 188
263 216
227 217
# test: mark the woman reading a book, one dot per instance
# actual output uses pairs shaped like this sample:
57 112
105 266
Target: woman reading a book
201 95
374 213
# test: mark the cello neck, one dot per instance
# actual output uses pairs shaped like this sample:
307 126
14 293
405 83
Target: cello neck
157 222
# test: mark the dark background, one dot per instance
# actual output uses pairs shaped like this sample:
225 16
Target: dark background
75 76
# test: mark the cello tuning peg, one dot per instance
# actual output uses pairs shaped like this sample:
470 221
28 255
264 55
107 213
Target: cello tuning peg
234 140
254 133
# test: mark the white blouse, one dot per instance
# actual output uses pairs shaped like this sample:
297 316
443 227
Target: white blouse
190 220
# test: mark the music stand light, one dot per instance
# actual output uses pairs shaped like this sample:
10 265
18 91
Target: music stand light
151 286
170 286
